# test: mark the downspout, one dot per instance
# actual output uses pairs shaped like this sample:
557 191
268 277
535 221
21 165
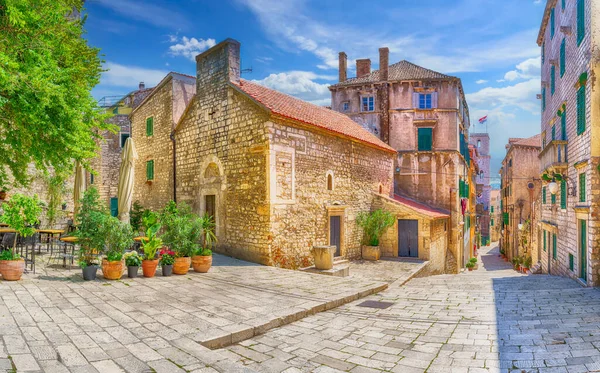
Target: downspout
172 136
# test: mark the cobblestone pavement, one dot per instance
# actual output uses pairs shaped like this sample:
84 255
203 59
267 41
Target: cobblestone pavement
56 322
490 320
390 270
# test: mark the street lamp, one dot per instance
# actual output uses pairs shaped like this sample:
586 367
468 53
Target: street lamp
553 187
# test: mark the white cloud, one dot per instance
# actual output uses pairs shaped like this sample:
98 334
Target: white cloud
265 60
150 13
527 69
130 76
189 47
481 81
300 84
521 95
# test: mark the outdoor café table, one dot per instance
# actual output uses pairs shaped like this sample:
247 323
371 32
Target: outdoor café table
50 233
138 241
3 225
68 240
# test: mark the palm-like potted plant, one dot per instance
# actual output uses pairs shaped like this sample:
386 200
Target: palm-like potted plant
119 237
182 230
374 224
20 213
133 262
90 232
150 244
202 259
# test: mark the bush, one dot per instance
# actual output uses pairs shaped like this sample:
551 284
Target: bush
132 259
182 229
21 213
90 232
470 265
473 260
119 237
152 243
374 224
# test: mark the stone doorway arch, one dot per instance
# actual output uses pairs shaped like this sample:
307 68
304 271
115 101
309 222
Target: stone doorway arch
212 192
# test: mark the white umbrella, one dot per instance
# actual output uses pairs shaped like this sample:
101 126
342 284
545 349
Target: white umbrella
125 191
78 188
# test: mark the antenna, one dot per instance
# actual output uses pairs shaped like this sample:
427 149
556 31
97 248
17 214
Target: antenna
246 70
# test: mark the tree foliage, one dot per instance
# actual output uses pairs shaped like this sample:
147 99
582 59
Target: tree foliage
48 117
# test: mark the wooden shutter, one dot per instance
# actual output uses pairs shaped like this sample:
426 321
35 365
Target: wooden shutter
582 196
563 125
150 170
553 132
149 126
554 254
580 21
552 79
562 58
544 195
114 206
434 100
415 100
425 138
552 23
581 110
563 194
545 239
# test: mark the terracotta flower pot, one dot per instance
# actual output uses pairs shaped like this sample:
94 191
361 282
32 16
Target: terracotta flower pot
12 270
112 270
182 265
149 267
201 263
470 269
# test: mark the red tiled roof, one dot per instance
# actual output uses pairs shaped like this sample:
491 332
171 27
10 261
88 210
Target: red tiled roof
293 108
421 207
535 141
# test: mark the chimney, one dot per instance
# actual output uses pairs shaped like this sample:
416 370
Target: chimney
363 67
343 67
142 86
218 66
384 62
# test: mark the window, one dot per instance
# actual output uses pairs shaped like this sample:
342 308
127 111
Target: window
553 132
563 195
544 195
552 23
479 143
492 209
492 222
425 139
580 21
114 206
380 189
150 170
554 256
543 98
581 110
210 203
545 243
563 125
124 137
345 106
506 218
552 80
149 126
425 101
543 52
368 103
329 182
582 196
562 58
91 178
571 262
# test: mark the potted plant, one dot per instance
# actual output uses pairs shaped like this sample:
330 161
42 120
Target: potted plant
167 258
182 230
516 262
119 237
90 232
133 262
150 244
526 264
202 259
374 224
502 254
20 213
470 266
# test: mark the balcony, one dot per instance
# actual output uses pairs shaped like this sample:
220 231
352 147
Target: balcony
554 157
425 117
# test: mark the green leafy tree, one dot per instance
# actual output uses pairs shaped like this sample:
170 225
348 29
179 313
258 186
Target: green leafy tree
182 229
119 237
21 213
374 225
92 216
48 117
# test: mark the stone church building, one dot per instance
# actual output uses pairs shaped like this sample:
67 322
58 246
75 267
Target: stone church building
279 175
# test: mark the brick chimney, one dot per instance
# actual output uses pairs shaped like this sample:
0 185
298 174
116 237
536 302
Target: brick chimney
363 67
142 86
384 62
343 67
218 66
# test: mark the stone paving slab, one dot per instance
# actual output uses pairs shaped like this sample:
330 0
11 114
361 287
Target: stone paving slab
55 321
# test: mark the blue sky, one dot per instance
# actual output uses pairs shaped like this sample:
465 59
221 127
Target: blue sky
292 46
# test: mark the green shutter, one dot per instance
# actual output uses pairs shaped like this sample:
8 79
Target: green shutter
571 262
563 4
562 58
554 256
545 243
582 196
506 218
583 248
150 126
544 195
581 110
543 98
425 139
492 222
553 132
552 80
553 199
150 170
563 125
492 209
552 23
563 194
580 21
543 52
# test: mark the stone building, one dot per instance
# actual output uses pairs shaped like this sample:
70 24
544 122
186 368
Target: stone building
471 216
482 142
278 174
153 123
520 186
495 215
570 158
424 116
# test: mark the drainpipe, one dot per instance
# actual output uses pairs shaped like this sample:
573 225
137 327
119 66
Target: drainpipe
174 166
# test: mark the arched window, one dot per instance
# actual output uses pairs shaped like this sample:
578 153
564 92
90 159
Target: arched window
329 182
380 189
479 143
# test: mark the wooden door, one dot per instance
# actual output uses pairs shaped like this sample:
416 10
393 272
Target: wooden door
583 249
335 233
408 238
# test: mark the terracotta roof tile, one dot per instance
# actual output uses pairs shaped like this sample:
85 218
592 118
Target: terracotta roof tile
421 207
293 108
531 141
400 71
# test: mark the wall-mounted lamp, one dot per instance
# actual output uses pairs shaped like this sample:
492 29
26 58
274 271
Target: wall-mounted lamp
571 187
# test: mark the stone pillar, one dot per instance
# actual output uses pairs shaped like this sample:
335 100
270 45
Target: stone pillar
343 67
363 67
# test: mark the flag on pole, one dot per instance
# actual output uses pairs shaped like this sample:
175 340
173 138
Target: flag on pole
483 120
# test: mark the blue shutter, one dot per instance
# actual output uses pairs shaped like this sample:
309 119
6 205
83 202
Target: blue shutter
114 206
580 21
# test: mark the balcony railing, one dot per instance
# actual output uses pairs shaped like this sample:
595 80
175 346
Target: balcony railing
554 157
